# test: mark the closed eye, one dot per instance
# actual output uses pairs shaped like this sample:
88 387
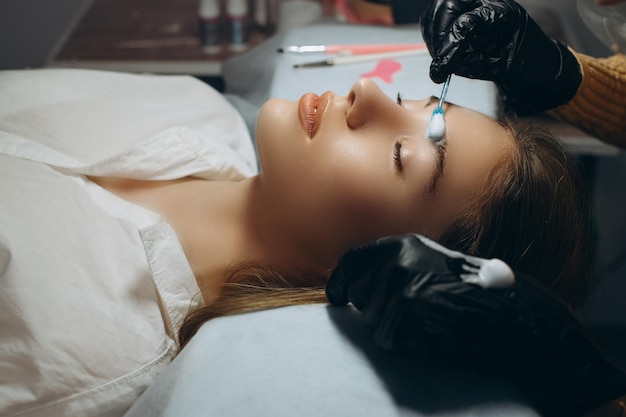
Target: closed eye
397 159
431 100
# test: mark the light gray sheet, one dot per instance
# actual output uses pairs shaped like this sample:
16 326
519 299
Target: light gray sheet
311 361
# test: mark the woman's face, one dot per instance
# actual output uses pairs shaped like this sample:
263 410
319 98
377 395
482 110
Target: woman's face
352 169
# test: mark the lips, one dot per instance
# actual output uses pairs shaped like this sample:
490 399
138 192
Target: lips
311 108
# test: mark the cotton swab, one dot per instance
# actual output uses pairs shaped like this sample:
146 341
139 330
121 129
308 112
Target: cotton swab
437 124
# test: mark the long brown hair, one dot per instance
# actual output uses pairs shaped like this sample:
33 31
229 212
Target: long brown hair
252 287
533 213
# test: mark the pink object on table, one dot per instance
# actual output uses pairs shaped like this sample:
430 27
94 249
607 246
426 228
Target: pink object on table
384 70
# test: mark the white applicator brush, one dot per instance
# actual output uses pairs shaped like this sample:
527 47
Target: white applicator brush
437 124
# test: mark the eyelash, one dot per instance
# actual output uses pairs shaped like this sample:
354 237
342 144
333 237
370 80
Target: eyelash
396 155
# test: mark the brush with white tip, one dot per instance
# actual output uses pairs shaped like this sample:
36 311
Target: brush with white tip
437 124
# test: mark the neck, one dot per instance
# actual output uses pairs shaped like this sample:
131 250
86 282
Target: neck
226 223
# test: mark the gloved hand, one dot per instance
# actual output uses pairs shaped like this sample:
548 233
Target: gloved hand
496 40
421 298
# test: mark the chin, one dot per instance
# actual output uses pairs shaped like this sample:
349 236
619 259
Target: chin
277 119
273 114
275 106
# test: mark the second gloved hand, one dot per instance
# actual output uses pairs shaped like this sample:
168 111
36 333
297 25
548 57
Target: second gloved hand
420 298
497 40
387 279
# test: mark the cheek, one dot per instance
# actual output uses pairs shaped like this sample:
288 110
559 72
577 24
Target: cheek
357 177
276 128
363 189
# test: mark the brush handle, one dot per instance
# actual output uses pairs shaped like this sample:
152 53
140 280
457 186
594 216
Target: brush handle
352 49
353 59
444 91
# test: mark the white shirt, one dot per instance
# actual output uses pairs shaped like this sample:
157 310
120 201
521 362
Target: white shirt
93 288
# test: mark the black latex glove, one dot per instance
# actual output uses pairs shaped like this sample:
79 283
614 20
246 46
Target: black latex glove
496 40
418 297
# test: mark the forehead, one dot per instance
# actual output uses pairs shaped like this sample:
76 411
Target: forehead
472 130
475 140
475 145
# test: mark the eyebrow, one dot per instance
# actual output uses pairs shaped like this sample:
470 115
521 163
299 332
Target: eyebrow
440 148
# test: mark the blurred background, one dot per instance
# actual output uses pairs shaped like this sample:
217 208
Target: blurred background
29 29
177 36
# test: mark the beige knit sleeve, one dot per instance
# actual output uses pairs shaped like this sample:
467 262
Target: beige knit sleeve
599 106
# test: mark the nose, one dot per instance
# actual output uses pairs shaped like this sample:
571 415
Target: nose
367 104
